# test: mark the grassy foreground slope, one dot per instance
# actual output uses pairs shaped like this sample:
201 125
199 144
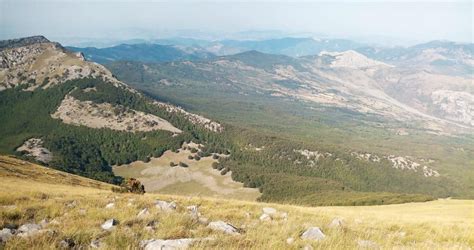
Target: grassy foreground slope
30 193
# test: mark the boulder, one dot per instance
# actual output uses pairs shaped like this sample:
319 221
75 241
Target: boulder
265 217
109 224
158 244
144 213
284 216
110 205
27 230
165 206
290 240
44 222
223 227
203 220
269 210
313 233
367 244
5 234
336 223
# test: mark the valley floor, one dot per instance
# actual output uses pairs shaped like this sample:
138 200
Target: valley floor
75 210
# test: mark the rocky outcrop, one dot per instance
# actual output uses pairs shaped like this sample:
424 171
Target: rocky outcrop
105 115
33 147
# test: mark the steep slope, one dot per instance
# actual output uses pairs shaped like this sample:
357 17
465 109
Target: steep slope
62 110
50 209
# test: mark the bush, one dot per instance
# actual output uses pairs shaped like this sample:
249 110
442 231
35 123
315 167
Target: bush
215 157
172 164
190 157
197 158
131 185
193 150
183 165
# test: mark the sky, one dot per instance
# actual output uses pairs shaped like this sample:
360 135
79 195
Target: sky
377 21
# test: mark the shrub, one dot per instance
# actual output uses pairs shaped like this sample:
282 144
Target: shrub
190 157
183 165
197 158
215 156
131 185
193 150
172 164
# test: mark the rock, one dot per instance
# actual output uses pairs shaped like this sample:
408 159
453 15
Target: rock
307 247
129 204
67 243
109 224
265 217
284 216
290 240
166 244
144 213
194 211
248 215
55 222
110 205
336 223
96 244
166 206
27 230
313 233
82 211
5 234
224 227
368 244
269 210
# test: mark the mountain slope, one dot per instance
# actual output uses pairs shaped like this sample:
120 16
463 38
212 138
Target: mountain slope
70 210
140 52
74 115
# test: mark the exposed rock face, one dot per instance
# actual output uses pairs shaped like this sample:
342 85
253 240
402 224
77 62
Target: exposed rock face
5 234
25 41
454 105
27 230
195 119
105 115
350 59
313 233
45 64
34 147
223 227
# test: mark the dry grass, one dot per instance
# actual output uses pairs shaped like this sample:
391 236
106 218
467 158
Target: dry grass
441 224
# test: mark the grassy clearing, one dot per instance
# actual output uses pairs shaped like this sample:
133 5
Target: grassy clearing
199 179
441 224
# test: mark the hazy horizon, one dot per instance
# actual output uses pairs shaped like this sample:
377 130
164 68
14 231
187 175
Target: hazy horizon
392 23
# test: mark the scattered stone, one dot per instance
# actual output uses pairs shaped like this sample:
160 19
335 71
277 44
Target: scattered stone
194 211
336 223
290 240
368 244
144 213
5 234
265 217
224 227
55 222
269 210
307 247
67 243
82 211
248 215
166 206
129 204
284 216
109 224
166 244
27 230
96 244
313 233
110 205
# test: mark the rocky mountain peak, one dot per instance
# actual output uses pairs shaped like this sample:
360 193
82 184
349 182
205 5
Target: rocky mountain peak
351 59
20 42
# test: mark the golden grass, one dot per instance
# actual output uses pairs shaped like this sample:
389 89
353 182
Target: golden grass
441 224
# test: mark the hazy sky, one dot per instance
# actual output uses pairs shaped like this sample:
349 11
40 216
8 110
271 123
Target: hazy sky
126 19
